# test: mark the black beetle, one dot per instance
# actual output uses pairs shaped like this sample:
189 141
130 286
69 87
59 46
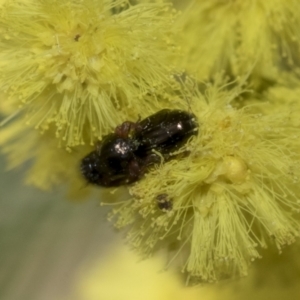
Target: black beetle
113 163
124 156
164 202
166 131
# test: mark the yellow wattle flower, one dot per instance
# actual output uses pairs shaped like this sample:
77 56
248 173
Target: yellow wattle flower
276 277
234 35
49 166
79 68
122 275
84 66
234 191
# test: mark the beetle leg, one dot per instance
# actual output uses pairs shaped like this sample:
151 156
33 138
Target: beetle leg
152 159
136 170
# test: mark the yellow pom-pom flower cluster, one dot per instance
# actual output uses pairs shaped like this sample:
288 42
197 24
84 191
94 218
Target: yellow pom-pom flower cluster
48 165
236 191
234 35
84 66
76 69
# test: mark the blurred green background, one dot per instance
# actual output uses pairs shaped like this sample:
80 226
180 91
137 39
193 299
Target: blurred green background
46 241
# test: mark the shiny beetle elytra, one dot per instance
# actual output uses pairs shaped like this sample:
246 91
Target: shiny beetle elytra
166 131
124 156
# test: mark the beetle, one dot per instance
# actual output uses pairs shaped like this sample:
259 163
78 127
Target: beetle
113 163
164 203
124 156
165 131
